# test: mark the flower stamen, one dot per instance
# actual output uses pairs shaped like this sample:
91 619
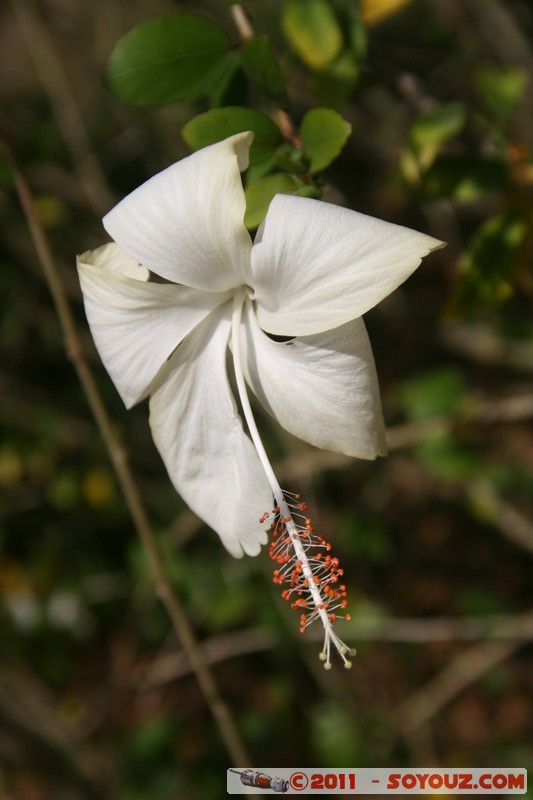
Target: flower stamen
302 555
309 574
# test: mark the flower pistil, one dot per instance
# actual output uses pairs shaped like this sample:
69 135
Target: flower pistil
309 573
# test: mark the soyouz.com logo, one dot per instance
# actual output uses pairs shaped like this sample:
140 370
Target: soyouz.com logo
376 781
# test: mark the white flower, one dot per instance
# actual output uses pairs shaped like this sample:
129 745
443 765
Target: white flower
311 273
313 270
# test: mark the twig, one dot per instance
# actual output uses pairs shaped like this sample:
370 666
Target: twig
492 32
242 23
175 665
288 131
64 104
442 629
486 411
284 120
499 512
29 705
464 670
404 630
481 345
123 471
515 524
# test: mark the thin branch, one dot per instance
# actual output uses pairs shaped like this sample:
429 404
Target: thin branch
246 31
175 665
407 630
242 23
482 345
53 78
487 411
123 471
29 705
464 670
500 513
492 32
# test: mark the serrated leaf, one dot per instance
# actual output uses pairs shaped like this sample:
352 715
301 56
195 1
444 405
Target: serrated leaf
312 30
260 193
219 123
323 133
172 58
263 70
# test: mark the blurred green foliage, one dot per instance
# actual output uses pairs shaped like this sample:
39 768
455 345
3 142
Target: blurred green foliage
406 110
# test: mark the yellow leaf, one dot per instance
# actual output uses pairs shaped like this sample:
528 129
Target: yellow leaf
11 468
375 11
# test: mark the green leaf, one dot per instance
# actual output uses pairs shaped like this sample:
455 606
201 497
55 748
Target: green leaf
324 134
500 88
232 88
428 134
335 735
260 193
290 159
172 58
312 30
219 123
464 178
263 70
334 84
446 458
438 125
356 34
434 394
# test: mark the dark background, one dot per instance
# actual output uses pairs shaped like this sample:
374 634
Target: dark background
436 540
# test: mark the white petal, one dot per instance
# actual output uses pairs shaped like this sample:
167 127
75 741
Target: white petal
186 223
316 265
112 258
321 388
136 325
197 430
